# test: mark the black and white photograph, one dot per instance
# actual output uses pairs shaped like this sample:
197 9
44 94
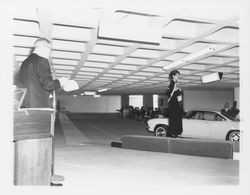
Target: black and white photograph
125 97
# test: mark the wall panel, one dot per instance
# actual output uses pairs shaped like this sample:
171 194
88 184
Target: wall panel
89 104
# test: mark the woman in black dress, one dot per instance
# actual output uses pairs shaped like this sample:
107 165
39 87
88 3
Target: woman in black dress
175 109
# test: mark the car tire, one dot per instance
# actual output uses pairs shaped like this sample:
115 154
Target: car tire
161 131
233 135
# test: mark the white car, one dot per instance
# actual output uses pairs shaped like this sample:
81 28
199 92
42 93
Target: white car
208 124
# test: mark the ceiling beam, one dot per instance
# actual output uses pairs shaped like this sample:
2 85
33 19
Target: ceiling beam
45 22
84 55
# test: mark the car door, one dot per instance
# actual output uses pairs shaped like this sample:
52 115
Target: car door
196 127
219 126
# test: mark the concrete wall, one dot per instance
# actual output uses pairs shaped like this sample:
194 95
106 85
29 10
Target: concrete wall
89 104
147 101
207 99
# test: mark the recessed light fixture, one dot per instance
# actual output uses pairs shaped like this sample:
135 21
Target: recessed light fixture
123 30
102 90
211 77
89 92
200 53
189 58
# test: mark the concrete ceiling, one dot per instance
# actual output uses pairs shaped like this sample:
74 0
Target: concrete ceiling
133 62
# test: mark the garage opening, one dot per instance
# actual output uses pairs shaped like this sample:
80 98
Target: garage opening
136 100
155 101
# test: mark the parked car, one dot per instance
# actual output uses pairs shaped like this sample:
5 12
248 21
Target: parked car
208 124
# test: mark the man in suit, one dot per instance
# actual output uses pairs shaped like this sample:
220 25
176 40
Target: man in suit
35 75
234 111
226 110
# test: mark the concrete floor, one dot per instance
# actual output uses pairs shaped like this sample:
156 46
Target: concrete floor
84 156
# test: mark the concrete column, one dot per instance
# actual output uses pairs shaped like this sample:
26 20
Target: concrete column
163 101
147 101
16 68
237 96
124 100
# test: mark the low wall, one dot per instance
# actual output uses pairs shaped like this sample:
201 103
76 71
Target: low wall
186 146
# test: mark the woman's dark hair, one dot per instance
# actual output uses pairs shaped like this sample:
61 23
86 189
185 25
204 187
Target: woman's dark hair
172 73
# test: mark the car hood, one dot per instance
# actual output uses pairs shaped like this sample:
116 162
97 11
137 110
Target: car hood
158 120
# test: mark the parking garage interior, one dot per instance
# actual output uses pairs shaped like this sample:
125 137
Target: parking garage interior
119 56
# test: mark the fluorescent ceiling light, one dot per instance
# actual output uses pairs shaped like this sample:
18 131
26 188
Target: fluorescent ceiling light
199 53
211 77
97 96
189 58
89 93
102 90
124 30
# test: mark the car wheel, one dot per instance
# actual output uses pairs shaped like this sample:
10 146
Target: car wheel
161 131
233 136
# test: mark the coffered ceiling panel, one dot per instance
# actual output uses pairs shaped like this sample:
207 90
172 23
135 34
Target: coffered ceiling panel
146 53
132 63
175 56
76 16
23 41
73 46
227 34
71 33
63 54
192 29
101 58
68 62
108 49
126 67
28 28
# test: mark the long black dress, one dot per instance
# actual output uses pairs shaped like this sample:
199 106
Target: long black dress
174 111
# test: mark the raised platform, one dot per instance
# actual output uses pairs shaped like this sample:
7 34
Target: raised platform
186 146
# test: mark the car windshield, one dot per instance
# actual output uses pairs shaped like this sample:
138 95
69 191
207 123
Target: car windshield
208 115
190 114
236 118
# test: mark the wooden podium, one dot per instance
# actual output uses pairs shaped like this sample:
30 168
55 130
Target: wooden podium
34 150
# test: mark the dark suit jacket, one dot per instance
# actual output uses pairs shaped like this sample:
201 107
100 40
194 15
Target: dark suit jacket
35 76
226 113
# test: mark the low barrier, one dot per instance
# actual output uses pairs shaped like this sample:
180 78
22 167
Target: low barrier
186 146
